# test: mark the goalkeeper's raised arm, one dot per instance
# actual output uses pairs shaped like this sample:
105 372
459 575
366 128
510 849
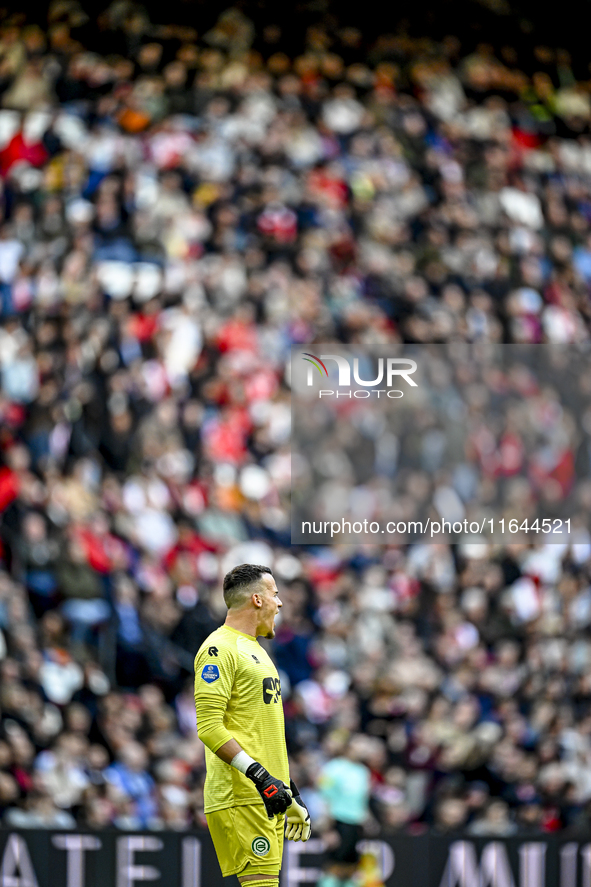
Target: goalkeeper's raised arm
248 796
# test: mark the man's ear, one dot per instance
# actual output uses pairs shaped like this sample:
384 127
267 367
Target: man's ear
256 599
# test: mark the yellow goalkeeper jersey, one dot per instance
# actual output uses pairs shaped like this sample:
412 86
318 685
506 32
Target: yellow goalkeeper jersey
238 696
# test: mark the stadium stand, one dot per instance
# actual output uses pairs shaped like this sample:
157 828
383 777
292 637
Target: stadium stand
179 205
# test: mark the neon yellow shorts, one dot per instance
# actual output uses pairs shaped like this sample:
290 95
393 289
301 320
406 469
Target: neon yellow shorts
243 835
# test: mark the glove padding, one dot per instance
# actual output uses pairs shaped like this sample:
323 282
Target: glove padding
297 817
275 794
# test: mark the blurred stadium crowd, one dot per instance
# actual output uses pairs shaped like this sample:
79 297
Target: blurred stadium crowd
178 208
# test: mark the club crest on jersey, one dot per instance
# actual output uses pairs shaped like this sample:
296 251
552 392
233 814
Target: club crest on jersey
260 846
210 673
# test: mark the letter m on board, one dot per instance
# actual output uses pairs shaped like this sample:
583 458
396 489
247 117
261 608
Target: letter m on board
462 869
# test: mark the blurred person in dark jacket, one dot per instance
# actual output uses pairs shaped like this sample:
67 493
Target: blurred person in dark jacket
85 606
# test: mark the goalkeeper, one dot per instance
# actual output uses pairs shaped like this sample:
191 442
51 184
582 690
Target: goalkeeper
249 799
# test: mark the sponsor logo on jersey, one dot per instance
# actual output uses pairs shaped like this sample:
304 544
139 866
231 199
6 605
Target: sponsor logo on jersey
210 673
213 651
260 846
271 690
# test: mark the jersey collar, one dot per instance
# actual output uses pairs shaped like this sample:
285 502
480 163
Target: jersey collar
242 633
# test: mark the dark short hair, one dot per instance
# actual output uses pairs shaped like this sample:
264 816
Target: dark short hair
238 580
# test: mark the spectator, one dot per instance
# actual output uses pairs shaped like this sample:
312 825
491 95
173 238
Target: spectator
450 816
39 812
84 607
37 555
60 770
132 788
494 820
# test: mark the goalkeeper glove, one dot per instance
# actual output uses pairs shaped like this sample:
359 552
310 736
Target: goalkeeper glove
275 794
298 817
